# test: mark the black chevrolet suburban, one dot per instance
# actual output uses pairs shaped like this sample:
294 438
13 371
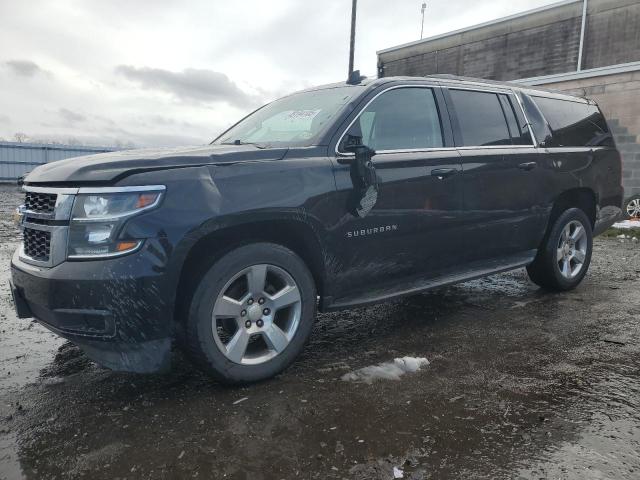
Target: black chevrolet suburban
329 198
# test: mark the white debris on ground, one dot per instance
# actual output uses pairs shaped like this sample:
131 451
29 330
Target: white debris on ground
398 472
627 224
387 370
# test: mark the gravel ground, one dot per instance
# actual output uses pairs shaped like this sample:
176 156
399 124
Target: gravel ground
521 384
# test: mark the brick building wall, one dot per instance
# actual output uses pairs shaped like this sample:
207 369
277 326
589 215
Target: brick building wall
545 43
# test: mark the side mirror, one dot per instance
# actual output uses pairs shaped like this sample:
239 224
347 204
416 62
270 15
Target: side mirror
362 153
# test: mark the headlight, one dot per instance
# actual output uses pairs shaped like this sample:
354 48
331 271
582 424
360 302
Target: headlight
98 217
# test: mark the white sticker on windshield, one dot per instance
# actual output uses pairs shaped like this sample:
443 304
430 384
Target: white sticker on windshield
303 114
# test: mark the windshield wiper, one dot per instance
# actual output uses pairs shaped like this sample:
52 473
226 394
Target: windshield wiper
240 142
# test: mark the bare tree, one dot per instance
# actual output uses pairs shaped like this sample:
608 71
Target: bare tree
20 137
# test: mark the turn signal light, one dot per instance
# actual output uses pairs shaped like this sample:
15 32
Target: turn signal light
125 246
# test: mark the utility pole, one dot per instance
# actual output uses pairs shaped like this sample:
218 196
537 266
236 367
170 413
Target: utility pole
354 6
424 7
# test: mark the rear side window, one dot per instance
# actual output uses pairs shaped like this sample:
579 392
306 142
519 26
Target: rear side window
399 119
574 124
481 119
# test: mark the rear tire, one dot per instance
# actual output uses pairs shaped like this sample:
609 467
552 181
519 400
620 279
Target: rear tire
565 254
631 208
251 313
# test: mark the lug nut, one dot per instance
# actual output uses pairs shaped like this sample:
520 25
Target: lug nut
250 301
243 313
266 311
259 323
247 324
261 301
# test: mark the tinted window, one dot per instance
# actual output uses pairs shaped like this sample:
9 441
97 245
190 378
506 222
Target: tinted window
574 124
538 123
481 120
517 127
403 118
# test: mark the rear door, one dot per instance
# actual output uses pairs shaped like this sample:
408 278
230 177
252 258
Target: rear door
411 228
501 173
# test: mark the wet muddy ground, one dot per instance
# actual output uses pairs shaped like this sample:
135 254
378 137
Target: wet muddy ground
521 384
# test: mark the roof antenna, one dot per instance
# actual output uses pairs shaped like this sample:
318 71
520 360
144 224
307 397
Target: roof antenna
354 77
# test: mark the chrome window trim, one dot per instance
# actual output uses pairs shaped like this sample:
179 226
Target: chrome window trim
395 87
497 90
526 119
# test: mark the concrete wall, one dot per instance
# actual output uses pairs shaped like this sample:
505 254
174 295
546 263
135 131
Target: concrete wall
619 98
542 43
16 159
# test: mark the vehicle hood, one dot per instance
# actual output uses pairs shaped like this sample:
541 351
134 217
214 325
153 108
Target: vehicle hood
111 166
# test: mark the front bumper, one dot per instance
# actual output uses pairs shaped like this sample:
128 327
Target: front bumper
116 310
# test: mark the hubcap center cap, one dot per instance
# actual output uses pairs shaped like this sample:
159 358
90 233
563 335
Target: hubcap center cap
254 312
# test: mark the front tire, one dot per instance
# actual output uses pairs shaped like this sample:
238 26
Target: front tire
251 314
565 254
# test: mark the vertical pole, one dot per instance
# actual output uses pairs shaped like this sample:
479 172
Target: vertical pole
354 5
582 28
424 7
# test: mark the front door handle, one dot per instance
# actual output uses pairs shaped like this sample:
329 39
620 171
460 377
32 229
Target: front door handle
528 166
443 173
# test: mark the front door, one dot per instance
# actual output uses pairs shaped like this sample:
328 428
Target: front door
410 228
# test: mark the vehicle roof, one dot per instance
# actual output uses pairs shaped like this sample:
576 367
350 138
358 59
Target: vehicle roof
455 80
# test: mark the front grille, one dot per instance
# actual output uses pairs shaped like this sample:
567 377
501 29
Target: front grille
40 202
37 244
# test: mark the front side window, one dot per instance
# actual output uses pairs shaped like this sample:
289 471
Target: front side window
481 119
399 119
574 124
296 120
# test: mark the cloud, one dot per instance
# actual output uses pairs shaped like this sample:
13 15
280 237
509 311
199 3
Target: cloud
4 119
71 117
25 68
190 84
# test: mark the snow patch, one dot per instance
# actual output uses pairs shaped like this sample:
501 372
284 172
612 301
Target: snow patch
386 371
627 224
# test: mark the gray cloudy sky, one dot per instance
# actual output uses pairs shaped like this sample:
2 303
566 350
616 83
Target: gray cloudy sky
172 72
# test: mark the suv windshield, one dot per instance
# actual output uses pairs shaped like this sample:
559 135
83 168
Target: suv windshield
296 120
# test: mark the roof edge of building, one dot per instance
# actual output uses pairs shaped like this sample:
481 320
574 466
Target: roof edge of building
577 75
479 25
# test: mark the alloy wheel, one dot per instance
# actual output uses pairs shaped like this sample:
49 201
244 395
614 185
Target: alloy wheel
256 314
572 249
633 208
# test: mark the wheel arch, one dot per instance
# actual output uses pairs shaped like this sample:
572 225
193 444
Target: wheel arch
296 234
583 198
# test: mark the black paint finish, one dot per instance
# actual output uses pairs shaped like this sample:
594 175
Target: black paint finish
442 215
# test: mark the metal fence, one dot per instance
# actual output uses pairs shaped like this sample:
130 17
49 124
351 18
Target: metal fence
16 159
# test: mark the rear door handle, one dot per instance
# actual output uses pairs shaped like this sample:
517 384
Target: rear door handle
528 166
443 173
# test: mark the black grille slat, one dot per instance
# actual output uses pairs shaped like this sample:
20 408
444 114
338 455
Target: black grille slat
40 202
37 244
